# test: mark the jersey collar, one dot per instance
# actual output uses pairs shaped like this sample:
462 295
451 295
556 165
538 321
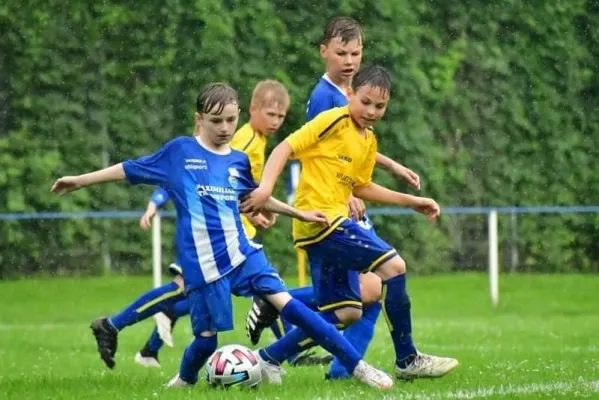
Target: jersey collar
326 78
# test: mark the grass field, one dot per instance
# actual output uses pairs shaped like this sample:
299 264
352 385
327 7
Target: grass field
541 342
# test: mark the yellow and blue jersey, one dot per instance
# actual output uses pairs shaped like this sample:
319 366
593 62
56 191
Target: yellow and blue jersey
336 157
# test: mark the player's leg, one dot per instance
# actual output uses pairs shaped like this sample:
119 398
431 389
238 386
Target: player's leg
409 363
262 314
211 311
151 302
148 355
361 332
310 327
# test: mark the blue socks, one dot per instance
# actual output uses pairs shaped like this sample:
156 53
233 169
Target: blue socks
310 325
195 356
396 304
148 304
359 334
303 294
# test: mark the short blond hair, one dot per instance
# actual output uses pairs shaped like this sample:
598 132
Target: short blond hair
270 92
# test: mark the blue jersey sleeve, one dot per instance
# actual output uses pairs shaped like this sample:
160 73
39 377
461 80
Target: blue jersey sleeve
151 169
246 180
160 197
317 104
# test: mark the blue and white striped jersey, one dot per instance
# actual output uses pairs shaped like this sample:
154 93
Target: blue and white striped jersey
205 187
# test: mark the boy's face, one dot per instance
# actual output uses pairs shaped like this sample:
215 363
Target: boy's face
342 59
368 105
218 129
267 119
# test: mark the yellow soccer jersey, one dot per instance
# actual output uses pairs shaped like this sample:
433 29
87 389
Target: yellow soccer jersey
335 158
253 144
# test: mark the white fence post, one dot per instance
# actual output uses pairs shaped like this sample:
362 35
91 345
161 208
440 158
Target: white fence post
156 251
493 258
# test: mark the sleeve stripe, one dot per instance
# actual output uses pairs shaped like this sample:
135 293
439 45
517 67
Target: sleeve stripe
332 125
250 142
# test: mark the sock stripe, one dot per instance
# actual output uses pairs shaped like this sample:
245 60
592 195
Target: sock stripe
383 299
165 296
281 326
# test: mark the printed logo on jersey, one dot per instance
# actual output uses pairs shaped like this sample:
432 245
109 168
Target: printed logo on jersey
344 158
345 179
196 164
217 192
233 177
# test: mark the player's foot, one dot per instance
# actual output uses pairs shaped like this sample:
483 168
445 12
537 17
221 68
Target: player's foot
106 339
165 328
310 358
177 382
261 315
147 358
270 372
426 366
371 376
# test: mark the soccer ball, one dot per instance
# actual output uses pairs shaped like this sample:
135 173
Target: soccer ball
233 364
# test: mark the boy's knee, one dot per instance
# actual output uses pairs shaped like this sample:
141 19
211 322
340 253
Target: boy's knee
348 315
393 267
371 288
178 279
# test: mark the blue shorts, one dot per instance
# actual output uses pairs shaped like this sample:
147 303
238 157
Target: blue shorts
211 306
337 260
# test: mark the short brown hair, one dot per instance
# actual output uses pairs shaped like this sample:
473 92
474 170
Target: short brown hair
269 92
218 95
344 27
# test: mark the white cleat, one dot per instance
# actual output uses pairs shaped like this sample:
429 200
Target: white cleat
270 373
149 362
165 328
177 382
427 366
373 377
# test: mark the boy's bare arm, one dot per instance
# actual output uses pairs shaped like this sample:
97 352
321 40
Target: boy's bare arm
380 194
398 170
68 184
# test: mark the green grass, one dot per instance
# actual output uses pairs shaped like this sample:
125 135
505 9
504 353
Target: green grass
540 342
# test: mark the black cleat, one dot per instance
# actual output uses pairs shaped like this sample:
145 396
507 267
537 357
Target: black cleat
106 338
310 358
261 315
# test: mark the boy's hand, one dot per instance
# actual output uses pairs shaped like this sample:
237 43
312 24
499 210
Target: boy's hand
65 185
428 207
314 216
261 220
406 174
356 208
146 220
254 202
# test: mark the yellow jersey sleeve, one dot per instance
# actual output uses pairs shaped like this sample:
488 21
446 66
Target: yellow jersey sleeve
253 144
365 171
317 129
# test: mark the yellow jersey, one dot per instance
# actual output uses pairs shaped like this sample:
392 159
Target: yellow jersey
335 157
252 143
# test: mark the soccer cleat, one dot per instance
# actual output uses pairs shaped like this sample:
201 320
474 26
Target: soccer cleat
165 328
371 376
148 362
106 339
261 315
426 366
309 358
271 373
177 382
147 358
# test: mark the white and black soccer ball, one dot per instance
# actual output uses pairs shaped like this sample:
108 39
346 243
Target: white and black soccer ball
233 365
